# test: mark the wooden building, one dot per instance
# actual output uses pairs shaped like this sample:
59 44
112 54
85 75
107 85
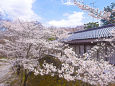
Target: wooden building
82 41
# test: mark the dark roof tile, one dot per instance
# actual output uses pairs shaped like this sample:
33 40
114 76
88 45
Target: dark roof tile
100 32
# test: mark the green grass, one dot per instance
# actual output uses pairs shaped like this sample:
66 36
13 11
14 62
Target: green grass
51 39
47 80
2 57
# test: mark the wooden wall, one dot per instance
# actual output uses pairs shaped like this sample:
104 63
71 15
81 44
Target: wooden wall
83 48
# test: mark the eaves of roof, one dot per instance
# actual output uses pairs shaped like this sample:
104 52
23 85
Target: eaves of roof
96 33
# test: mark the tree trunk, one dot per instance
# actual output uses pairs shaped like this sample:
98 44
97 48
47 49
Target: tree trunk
26 74
30 45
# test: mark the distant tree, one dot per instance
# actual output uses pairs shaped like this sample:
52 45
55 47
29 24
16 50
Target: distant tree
91 25
112 16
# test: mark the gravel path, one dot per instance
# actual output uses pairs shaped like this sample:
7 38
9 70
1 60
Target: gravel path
5 71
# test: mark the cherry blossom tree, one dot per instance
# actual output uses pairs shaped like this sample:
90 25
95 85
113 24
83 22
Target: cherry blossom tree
32 40
92 11
29 41
25 43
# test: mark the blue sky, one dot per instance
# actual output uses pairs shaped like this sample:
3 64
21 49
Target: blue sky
50 12
54 9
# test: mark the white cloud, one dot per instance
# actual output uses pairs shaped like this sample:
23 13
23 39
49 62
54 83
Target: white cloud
71 20
21 9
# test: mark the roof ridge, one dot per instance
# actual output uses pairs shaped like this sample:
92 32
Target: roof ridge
102 27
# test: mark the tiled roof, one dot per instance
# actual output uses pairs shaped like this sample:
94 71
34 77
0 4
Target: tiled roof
100 32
